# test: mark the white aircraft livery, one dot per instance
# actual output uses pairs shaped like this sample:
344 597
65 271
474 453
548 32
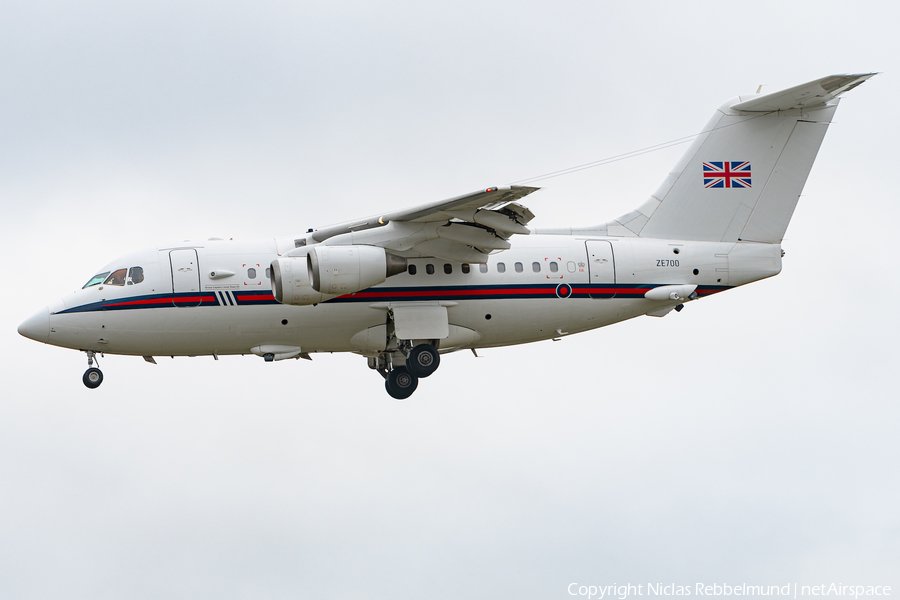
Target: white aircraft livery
403 288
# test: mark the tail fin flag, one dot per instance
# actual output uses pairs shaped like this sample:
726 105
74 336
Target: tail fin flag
741 178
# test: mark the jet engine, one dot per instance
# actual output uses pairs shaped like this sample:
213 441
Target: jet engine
348 269
327 271
290 282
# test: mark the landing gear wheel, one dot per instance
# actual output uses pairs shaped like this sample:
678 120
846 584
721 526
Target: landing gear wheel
423 360
93 377
400 383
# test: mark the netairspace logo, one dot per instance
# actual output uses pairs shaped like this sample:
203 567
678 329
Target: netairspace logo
791 590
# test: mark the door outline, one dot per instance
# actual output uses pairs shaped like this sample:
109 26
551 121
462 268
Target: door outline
602 276
184 263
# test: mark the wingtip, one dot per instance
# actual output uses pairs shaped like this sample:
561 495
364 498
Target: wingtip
530 188
510 187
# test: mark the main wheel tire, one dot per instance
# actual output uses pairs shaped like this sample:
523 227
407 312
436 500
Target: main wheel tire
423 360
93 377
400 383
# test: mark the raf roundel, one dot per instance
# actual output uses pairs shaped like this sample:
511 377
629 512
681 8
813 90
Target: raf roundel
563 290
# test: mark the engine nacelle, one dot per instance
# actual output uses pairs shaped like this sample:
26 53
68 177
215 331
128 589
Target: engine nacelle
290 282
336 270
323 272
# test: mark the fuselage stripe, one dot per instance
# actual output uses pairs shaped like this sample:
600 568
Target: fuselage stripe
226 298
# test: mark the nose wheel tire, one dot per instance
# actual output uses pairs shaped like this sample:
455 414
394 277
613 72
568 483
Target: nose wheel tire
423 360
400 383
93 377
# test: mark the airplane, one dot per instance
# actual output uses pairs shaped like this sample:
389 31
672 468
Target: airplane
406 287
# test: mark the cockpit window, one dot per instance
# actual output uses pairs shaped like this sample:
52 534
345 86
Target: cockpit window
96 280
135 275
116 278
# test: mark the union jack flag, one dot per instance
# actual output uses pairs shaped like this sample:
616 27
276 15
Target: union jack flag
726 174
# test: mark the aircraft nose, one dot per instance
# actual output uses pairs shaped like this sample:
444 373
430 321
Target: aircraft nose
37 326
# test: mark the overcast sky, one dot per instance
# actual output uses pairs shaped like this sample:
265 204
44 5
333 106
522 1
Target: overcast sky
750 438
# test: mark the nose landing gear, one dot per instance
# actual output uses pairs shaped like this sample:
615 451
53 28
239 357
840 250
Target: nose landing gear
93 377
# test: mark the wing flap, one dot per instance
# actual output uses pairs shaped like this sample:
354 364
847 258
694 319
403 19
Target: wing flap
441 248
490 198
463 229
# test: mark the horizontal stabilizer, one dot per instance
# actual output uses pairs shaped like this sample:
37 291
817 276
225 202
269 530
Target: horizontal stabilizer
808 95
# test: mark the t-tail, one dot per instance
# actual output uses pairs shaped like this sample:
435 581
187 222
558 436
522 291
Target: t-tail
741 178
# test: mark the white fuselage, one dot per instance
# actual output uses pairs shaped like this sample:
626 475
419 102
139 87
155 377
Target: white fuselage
547 286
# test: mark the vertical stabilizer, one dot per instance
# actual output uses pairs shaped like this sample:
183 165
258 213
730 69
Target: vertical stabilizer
741 178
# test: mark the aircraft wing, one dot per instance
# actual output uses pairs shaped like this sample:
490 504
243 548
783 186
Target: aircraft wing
465 229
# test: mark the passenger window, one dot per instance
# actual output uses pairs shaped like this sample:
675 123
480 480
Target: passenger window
465 267
554 267
536 267
519 267
448 268
501 267
483 267
96 279
135 275
429 268
116 278
570 266
411 269
251 273
268 272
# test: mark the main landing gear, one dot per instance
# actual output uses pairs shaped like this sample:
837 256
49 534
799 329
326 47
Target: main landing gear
401 380
93 377
400 383
423 360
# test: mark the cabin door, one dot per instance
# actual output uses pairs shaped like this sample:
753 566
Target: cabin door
185 277
602 269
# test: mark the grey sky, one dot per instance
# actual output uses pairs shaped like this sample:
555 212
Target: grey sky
750 438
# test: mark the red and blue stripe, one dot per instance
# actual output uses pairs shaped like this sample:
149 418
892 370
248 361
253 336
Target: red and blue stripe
396 294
